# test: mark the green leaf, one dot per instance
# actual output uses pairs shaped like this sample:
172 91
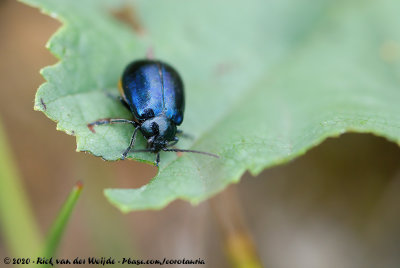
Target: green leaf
265 82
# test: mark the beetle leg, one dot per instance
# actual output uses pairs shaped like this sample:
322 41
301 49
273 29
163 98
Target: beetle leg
119 98
126 105
184 135
109 121
175 141
125 153
157 159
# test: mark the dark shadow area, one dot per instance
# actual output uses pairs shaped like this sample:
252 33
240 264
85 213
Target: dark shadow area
337 206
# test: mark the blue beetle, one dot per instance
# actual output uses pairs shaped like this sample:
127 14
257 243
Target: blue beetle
153 91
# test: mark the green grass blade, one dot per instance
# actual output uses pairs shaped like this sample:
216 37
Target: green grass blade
57 230
20 230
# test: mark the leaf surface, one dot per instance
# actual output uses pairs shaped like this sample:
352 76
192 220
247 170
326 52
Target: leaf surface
265 81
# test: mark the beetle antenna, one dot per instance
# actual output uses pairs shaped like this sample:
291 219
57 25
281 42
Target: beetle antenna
190 151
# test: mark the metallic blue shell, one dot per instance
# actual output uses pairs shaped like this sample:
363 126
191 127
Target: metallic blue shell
152 88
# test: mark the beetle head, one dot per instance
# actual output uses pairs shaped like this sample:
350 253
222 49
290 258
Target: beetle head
158 131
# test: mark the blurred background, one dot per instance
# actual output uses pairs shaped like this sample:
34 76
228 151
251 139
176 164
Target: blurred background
336 206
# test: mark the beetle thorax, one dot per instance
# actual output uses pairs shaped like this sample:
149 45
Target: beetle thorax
158 131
